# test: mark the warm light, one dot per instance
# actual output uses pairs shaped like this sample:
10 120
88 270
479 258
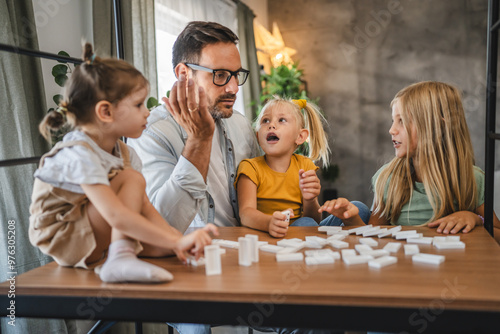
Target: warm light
272 46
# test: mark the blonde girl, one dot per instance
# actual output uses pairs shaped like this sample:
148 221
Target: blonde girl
281 181
89 195
432 180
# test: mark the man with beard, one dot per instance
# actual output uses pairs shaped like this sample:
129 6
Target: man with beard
190 153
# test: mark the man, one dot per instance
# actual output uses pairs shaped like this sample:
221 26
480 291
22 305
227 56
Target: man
190 154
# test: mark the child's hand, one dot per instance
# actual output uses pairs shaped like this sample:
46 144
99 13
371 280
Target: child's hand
278 226
341 208
464 221
309 184
195 242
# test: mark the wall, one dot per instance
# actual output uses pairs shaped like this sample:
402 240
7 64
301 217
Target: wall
61 25
357 55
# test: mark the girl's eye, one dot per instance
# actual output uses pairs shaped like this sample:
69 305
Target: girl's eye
265 120
282 120
139 105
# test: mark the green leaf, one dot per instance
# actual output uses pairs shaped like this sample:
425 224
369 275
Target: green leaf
57 98
168 94
152 103
62 53
61 79
59 70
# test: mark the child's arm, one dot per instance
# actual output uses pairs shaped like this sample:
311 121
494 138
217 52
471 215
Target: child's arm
189 242
310 187
464 221
134 224
253 218
343 209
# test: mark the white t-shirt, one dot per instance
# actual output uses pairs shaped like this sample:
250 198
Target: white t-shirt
218 185
77 164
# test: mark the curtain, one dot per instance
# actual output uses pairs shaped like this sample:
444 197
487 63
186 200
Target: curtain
252 88
138 28
22 103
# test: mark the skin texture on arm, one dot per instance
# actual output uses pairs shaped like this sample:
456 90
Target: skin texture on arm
310 187
253 218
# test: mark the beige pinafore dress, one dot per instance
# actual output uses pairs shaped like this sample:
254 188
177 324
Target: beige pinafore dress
59 224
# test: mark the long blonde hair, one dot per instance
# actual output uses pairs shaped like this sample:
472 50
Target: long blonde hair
312 120
444 154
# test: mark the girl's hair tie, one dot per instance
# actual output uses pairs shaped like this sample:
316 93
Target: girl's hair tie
90 61
62 110
301 103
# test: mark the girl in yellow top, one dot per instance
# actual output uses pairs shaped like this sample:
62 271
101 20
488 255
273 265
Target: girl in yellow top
281 180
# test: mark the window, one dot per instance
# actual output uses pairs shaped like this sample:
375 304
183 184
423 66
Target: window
171 16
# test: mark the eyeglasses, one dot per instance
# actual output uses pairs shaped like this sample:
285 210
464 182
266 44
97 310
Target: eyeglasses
221 77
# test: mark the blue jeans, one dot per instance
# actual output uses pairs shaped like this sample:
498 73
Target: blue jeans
331 220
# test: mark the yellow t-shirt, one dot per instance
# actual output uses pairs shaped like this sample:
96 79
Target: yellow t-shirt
276 191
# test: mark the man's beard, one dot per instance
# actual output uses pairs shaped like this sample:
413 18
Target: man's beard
218 113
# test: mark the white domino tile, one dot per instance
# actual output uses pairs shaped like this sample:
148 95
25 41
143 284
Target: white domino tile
371 231
369 241
382 262
245 251
226 243
421 241
361 228
213 264
357 259
392 247
289 257
254 245
271 248
378 253
363 249
450 245
338 244
411 249
316 260
395 229
329 229
428 258
348 252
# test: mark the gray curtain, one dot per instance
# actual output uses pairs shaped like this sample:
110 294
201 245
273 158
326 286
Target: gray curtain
138 35
248 51
22 103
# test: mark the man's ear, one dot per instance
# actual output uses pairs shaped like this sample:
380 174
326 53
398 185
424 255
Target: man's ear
104 111
181 69
302 137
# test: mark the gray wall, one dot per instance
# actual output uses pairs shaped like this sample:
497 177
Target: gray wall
357 55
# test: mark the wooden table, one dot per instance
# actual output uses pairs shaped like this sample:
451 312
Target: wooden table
462 294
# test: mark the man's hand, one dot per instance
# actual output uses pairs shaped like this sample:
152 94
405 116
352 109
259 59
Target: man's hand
193 116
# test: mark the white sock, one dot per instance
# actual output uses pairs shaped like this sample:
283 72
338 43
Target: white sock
122 265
